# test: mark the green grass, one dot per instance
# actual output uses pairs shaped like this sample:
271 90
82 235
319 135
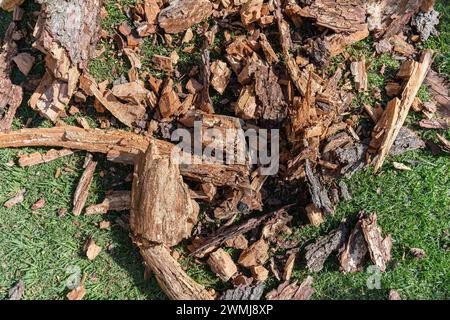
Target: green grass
41 247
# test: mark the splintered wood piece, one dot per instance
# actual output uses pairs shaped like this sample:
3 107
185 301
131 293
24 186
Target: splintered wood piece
172 279
288 267
379 248
10 94
129 114
122 147
318 252
82 191
395 115
354 254
314 214
26 160
161 208
292 291
114 201
222 264
180 15
134 92
359 73
228 232
220 76
256 254
205 70
246 105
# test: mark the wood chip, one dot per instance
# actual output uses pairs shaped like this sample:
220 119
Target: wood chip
17 199
401 166
359 73
222 264
91 249
24 62
220 76
256 254
314 215
259 273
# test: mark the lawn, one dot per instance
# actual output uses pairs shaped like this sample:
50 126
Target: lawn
44 248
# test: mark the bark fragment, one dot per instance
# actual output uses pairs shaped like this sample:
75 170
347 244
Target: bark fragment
180 15
10 94
293 291
318 252
222 264
162 210
379 248
353 256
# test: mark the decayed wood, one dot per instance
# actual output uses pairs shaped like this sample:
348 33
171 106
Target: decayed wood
129 114
161 208
82 191
256 254
339 16
34 158
114 201
353 256
180 15
387 18
379 248
10 94
229 232
67 33
171 277
388 127
319 251
122 147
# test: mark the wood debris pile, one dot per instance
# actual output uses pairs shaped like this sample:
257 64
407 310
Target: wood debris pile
269 74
